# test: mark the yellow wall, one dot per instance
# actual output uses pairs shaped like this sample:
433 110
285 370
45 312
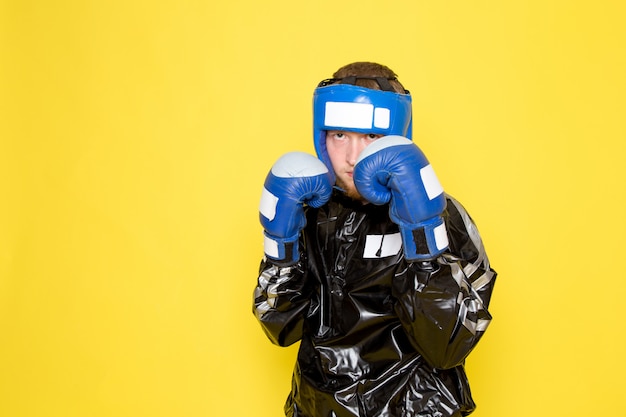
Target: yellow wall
135 137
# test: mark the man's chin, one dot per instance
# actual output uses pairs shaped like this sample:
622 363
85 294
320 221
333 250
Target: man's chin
350 191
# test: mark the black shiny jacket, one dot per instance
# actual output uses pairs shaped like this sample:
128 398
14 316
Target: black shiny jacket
379 336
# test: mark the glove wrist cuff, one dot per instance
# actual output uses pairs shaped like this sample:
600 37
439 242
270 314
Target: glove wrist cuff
425 240
283 251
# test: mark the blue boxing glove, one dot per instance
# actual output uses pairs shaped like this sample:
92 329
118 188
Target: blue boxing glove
296 179
393 169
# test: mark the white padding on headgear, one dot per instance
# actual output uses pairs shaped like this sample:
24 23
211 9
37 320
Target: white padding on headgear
348 115
381 117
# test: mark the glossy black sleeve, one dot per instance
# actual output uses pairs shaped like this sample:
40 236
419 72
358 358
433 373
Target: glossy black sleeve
281 301
443 304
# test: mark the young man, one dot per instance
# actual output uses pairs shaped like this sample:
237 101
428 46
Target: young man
379 274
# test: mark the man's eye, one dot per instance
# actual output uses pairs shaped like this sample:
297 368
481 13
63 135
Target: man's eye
373 136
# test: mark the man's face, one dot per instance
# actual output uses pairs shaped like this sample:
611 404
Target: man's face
343 149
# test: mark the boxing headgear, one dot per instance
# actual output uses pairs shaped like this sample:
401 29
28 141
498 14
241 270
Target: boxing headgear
358 109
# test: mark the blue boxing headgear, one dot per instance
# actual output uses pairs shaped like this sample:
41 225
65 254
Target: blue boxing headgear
358 109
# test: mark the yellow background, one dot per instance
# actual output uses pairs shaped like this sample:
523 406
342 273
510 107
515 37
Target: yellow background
135 137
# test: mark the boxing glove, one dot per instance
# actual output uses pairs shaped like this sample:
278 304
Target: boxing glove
295 179
393 169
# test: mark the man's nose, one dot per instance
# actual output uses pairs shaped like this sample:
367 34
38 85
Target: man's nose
354 149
